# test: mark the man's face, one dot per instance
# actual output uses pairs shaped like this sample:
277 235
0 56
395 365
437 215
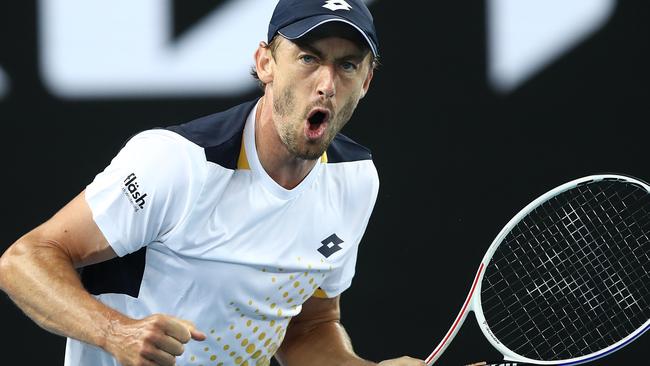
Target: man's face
316 87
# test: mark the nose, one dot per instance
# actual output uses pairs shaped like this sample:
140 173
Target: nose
326 81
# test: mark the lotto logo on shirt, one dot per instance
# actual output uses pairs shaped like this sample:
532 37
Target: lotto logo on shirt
131 191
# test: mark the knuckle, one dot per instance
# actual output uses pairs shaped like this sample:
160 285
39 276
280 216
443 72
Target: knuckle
158 319
150 336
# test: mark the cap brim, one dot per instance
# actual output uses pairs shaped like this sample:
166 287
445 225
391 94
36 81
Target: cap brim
304 26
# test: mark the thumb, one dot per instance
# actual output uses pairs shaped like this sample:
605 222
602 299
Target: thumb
196 334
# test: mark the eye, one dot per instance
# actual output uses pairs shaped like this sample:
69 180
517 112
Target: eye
348 66
308 59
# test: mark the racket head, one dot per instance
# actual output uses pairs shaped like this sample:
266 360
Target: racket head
512 342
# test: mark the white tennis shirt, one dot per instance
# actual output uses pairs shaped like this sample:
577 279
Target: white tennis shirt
203 233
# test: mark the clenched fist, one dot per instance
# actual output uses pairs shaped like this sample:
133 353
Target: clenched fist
152 341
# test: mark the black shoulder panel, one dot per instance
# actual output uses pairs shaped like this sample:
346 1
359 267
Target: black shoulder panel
343 149
220 134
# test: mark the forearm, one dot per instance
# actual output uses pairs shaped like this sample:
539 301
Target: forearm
42 282
323 344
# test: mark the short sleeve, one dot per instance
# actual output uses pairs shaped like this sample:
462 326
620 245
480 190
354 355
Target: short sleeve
341 279
147 190
365 196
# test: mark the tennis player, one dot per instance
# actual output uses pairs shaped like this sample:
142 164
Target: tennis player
229 239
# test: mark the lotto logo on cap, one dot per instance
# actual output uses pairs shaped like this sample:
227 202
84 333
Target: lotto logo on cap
294 18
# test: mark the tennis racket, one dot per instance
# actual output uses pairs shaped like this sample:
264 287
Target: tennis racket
567 280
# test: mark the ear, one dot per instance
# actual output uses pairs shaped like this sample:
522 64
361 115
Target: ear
263 63
366 82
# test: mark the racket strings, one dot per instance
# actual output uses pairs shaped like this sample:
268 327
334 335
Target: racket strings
556 255
620 290
594 262
558 242
568 337
570 298
548 313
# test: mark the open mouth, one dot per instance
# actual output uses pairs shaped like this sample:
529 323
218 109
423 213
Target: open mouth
316 125
317 117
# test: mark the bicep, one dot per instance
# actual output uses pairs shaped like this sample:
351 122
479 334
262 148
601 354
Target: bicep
315 312
315 336
73 231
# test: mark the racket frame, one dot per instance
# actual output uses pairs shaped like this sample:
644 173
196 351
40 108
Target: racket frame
473 301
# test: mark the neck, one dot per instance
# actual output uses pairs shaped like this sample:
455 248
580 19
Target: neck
283 167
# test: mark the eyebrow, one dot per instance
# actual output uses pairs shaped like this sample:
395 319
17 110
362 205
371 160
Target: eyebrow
357 56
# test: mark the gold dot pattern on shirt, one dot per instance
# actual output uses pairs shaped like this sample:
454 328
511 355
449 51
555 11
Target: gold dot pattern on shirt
250 348
259 334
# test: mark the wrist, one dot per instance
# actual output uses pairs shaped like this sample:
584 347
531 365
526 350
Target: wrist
112 334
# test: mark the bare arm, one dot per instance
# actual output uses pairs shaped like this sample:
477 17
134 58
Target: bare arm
38 273
316 337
